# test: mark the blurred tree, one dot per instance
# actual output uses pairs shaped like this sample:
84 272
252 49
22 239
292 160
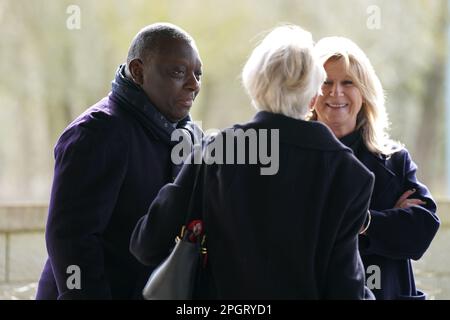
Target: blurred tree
50 73
430 145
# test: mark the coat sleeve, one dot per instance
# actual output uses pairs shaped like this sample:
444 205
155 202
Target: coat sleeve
155 233
89 170
403 233
346 274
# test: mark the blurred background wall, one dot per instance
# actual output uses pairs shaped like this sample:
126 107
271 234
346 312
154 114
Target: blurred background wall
51 73
58 57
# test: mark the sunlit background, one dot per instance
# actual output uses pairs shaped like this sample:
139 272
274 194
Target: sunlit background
52 69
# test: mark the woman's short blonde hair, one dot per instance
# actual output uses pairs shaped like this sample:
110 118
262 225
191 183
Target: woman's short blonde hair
372 119
282 74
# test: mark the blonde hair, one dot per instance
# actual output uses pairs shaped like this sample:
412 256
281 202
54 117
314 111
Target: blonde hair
372 119
282 74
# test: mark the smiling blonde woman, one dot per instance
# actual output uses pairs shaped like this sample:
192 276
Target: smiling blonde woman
402 220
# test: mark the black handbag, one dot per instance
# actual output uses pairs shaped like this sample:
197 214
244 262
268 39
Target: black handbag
175 278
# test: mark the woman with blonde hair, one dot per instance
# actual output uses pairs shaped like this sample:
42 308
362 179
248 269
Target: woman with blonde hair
402 218
288 234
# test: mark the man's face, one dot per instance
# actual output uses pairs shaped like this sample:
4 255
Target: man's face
171 78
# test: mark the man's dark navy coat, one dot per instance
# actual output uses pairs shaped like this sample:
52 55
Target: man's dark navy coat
110 164
292 235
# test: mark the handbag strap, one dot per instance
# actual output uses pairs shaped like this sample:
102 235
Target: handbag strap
193 229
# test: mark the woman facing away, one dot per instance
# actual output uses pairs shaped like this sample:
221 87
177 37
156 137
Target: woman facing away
287 234
402 221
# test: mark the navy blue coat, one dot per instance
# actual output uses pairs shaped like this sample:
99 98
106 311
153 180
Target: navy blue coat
396 235
292 235
109 165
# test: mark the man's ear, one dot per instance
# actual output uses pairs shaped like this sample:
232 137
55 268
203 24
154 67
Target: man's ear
136 69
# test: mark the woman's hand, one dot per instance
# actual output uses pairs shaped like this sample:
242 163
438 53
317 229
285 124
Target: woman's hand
404 202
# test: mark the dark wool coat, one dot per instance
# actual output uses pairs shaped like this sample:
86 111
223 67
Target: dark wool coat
110 164
395 236
291 235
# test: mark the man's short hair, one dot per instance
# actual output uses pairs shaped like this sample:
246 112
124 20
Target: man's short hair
148 40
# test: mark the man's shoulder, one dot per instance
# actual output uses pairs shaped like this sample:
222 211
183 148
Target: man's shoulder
104 115
100 123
